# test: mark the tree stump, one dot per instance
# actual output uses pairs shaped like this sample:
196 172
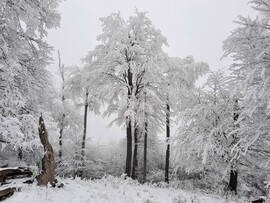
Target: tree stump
48 163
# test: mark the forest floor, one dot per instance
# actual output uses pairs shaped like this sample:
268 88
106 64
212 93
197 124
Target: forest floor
111 189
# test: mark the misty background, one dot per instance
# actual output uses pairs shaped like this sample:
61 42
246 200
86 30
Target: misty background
192 27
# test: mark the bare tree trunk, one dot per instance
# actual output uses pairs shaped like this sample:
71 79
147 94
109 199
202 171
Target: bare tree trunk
129 127
61 137
48 163
62 73
20 153
233 181
61 133
129 149
145 150
168 144
135 154
84 125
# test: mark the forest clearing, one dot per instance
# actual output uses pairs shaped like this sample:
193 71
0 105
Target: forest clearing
186 131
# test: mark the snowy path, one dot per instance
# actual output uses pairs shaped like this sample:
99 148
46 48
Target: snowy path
111 189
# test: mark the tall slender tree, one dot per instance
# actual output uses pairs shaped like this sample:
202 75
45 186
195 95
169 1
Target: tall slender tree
84 123
206 137
181 75
63 114
168 144
83 95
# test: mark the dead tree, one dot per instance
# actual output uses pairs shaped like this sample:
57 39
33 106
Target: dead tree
48 163
14 173
62 121
8 175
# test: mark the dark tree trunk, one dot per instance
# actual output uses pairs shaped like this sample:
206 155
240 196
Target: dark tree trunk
167 162
129 127
9 174
236 113
48 163
84 125
135 159
233 181
20 153
14 173
129 149
233 174
145 151
5 193
61 136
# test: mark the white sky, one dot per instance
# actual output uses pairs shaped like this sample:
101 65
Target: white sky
192 27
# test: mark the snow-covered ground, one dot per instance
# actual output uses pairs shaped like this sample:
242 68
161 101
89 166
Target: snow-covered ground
109 189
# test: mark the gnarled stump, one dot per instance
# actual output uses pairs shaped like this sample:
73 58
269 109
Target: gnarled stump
48 163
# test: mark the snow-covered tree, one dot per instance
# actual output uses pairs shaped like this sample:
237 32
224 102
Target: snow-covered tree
134 76
181 75
24 81
81 93
66 113
123 64
206 136
249 46
62 71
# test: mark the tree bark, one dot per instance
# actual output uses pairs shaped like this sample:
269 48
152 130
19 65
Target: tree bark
135 154
14 173
167 162
129 127
5 193
233 174
129 149
61 133
145 150
84 125
48 163
60 138
20 153
233 181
